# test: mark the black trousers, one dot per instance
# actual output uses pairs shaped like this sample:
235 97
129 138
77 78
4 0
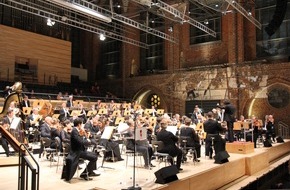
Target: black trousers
92 157
4 144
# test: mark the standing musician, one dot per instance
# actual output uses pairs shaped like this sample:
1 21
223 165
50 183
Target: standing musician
270 128
169 140
229 117
256 126
192 139
212 129
79 141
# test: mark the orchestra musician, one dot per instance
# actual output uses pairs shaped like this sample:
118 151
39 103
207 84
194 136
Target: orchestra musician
33 122
256 126
83 113
196 112
192 139
7 120
169 140
212 129
63 112
141 146
270 128
69 102
79 141
65 133
25 102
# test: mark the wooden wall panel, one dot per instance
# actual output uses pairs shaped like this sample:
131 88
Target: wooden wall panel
53 55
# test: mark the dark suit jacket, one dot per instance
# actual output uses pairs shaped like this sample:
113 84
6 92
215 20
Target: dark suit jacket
212 127
23 103
62 116
45 130
78 144
192 136
169 141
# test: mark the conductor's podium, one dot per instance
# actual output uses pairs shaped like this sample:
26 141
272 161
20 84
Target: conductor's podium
240 147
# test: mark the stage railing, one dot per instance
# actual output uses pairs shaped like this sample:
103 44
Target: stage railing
28 171
283 130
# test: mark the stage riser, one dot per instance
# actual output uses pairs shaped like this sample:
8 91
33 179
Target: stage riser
220 175
212 178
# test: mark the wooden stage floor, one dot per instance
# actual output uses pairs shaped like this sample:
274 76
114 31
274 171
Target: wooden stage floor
238 172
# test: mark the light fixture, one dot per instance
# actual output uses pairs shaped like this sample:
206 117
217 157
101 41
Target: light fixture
102 37
170 29
81 9
50 22
206 21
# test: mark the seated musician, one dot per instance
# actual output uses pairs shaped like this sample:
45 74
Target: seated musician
83 113
169 140
55 130
33 122
142 146
25 102
109 144
65 133
270 128
63 112
191 138
79 141
45 131
212 129
7 120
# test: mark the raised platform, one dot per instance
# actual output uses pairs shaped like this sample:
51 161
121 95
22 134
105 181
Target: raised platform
239 165
240 147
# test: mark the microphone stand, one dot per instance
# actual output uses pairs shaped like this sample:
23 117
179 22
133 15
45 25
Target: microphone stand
134 157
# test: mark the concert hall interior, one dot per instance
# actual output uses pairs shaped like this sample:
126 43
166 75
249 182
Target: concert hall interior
144 94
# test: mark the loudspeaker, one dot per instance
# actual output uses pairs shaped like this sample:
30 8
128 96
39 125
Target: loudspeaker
267 143
279 139
221 157
278 17
166 174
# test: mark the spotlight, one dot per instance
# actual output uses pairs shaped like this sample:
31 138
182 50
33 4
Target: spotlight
102 37
170 29
205 21
50 22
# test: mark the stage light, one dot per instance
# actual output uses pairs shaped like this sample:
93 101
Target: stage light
50 22
102 37
81 9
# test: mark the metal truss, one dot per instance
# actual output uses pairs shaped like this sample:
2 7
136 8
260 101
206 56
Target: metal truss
179 15
73 21
245 13
120 18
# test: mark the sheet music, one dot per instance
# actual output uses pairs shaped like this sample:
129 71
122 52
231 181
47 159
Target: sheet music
15 123
108 132
172 129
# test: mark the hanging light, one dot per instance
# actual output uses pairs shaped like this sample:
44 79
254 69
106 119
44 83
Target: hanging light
50 22
102 37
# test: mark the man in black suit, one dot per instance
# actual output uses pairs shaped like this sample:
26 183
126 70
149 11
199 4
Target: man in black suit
25 102
212 129
6 124
229 117
79 141
63 112
169 140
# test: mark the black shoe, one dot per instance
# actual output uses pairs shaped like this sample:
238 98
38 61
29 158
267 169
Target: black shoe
85 177
120 159
180 169
94 174
196 160
151 165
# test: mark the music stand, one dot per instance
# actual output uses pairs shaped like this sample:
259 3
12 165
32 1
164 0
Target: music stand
75 113
119 120
107 135
26 110
138 133
126 113
116 113
160 111
148 111
55 116
103 112
91 113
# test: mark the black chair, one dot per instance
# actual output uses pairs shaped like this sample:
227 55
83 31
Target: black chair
187 149
157 146
49 152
